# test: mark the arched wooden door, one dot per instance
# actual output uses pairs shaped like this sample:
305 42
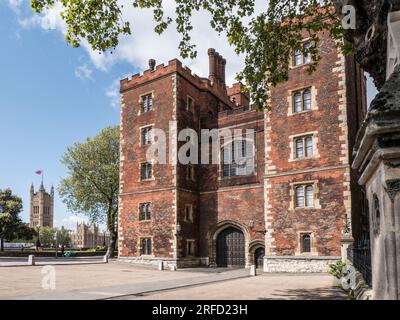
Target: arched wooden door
259 257
231 248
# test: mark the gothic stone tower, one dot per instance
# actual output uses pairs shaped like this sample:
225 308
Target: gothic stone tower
41 207
288 203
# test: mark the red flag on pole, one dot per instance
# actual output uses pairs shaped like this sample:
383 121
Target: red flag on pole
39 172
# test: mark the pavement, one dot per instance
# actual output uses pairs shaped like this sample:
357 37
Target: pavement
262 287
117 280
42 261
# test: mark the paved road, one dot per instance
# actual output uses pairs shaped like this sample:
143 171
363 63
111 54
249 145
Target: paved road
125 281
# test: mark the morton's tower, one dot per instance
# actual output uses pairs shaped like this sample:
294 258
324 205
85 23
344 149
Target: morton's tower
41 207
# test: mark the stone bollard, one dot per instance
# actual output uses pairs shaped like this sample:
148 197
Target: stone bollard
173 267
253 272
31 260
161 265
105 259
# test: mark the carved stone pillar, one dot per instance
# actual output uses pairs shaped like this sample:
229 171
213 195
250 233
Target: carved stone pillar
377 158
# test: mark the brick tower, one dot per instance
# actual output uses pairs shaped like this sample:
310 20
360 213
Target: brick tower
289 199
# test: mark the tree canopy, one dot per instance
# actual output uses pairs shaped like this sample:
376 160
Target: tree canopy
92 185
47 236
11 225
266 39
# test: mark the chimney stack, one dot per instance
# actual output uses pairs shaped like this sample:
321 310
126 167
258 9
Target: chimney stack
152 64
211 64
217 57
217 68
223 72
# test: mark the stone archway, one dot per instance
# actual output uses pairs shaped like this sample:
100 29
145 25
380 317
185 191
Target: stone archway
213 236
256 253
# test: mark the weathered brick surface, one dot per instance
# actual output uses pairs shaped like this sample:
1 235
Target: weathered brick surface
326 223
329 169
240 201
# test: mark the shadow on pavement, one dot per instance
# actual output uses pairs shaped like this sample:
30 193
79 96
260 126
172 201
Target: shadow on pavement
308 294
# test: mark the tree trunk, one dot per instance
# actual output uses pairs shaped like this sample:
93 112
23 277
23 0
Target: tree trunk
112 229
112 244
1 244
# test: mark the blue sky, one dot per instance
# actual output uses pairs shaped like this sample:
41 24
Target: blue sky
52 95
46 105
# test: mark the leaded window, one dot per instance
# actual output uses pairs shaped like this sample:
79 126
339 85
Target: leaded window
144 211
147 102
146 136
305 239
237 158
146 171
301 55
302 100
146 246
304 147
304 196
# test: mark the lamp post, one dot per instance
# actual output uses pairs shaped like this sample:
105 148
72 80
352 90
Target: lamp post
56 239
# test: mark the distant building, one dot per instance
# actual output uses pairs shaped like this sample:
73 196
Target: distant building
41 207
88 236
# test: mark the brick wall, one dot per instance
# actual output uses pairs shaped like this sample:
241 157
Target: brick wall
263 201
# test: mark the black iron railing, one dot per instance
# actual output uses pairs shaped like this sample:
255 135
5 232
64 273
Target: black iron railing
361 259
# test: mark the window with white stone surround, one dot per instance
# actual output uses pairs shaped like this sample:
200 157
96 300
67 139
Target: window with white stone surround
304 195
144 211
306 244
146 136
146 246
303 146
146 171
146 102
300 57
302 100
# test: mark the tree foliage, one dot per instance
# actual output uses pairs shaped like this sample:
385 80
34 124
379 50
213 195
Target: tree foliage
92 184
47 236
267 39
11 225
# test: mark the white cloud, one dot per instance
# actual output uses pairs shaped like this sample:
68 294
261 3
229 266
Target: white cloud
71 221
145 43
83 72
113 93
48 20
15 5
